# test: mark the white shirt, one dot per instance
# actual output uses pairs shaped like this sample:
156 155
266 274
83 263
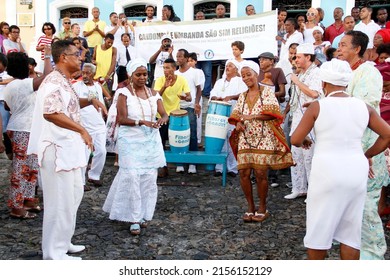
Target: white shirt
20 98
118 34
121 54
370 29
286 66
223 88
296 37
91 119
10 46
56 96
158 70
4 76
193 81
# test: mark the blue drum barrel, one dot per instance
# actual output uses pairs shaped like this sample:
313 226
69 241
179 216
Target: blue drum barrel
216 128
179 131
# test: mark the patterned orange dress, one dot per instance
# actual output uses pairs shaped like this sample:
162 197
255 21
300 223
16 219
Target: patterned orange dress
263 144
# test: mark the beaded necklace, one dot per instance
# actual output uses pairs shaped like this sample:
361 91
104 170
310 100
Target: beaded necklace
357 64
67 80
148 95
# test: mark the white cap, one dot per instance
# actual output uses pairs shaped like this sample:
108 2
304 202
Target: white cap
251 64
165 37
306 48
319 29
336 72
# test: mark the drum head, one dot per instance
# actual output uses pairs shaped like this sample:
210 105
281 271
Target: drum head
179 113
221 102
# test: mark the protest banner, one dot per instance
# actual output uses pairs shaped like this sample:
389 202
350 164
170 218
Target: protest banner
211 39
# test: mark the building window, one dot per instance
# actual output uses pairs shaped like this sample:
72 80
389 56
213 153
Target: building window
137 11
75 12
208 8
291 4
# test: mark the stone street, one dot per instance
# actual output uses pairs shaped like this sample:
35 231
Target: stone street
195 218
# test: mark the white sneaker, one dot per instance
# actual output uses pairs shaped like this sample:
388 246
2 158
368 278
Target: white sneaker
180 169
192 169
73 249
294 195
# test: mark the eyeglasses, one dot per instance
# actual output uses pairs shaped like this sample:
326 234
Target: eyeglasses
72 54
310 14
16 32
67 22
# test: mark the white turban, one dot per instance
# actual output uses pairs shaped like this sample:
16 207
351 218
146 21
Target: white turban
234 62
336 72
306 48
134 64
251 64
319 29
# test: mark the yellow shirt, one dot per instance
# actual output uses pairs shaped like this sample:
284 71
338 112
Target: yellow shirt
95 38
170 97
103 62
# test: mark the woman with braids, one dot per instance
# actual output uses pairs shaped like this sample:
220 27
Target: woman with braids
261 142
133 193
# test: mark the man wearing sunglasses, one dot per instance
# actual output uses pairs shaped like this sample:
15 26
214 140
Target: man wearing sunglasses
67 32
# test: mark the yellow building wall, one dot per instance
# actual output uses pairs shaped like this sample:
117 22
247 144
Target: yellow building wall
27 33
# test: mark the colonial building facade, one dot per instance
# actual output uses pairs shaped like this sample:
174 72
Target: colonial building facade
31 14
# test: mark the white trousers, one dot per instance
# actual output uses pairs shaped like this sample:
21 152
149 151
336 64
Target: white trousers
99 157
300 173
62 194
231 164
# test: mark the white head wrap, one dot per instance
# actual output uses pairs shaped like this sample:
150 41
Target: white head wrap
336 72
251 64
134 64
234 62
306 48
319 29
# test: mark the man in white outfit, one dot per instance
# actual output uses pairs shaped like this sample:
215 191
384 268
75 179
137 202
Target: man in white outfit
307 88
58 138
93 122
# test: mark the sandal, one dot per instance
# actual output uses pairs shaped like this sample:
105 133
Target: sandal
260 217
135 229
247 217
25 216
32 205
144 223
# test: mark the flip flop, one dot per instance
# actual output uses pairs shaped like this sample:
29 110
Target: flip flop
27 215
260 217
135 229
247 217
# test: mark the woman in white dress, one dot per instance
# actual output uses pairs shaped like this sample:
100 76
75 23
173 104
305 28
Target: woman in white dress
340 168
133 193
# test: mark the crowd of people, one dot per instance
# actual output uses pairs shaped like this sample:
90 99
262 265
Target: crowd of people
317 109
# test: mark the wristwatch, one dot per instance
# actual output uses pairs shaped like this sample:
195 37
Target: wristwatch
136 123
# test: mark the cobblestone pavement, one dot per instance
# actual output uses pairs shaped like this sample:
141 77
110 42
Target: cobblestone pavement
195 218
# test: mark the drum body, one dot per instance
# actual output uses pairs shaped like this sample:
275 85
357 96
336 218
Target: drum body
216 127
179 131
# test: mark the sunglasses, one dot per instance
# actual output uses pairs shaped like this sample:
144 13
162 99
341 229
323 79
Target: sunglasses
48 28
68 22
310 14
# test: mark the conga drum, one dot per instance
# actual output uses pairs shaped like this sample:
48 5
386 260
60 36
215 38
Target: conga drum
179 131
216 128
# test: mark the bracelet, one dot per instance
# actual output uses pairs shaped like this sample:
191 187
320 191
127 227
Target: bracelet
136 122
47 56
